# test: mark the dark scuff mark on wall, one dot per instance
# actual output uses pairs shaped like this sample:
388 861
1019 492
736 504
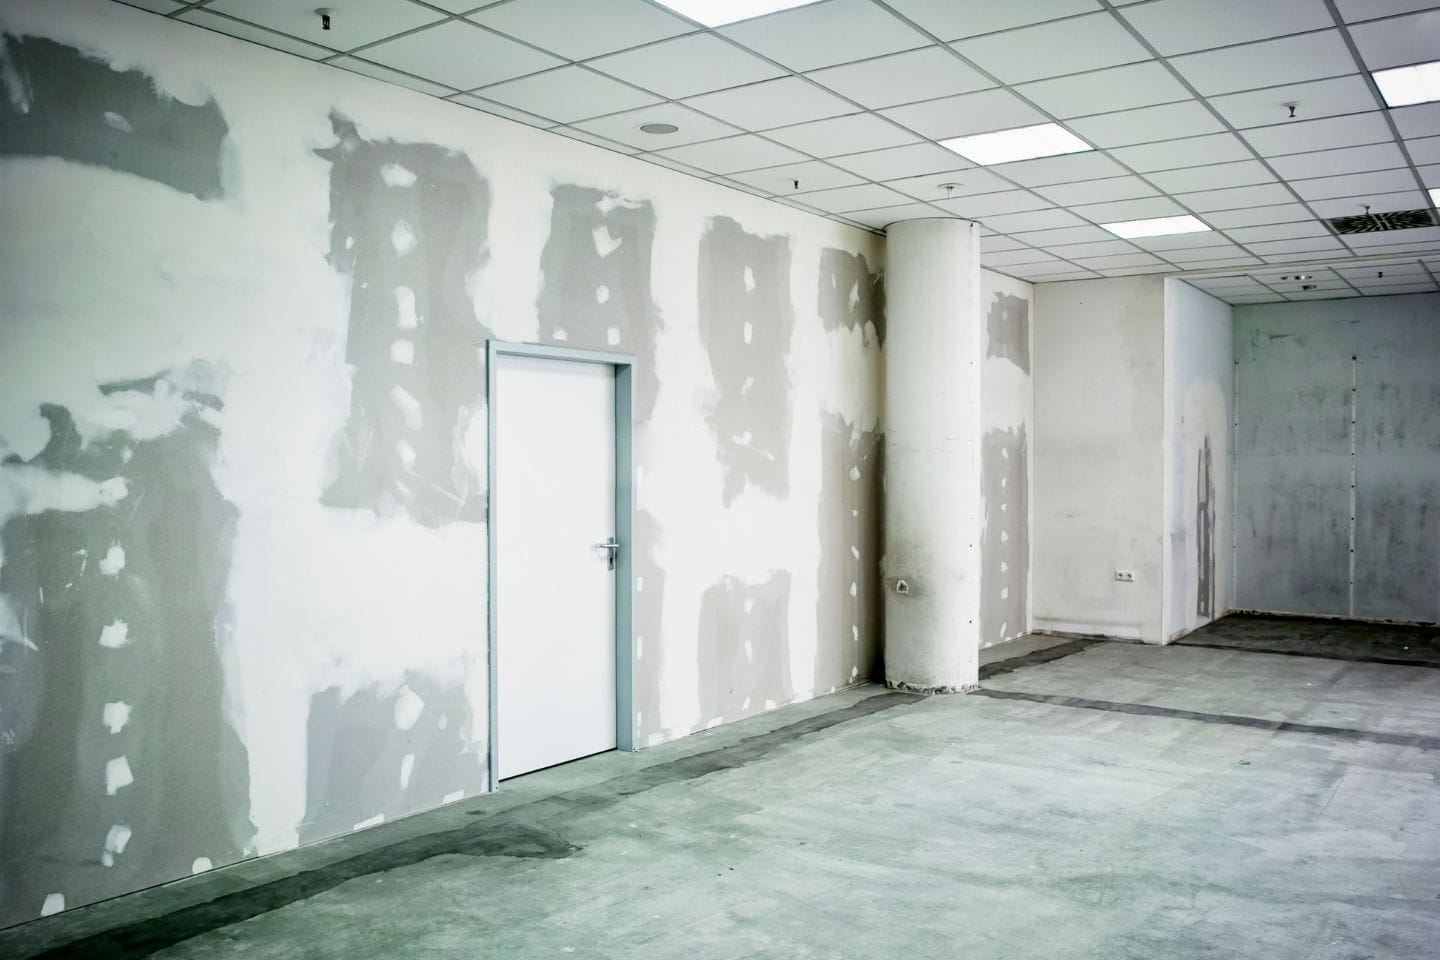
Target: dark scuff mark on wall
596 281
745 324
1205 532
1005 540
850 607
358 750
851 296
120 769
744 651
1008 328
56 101
649 612
409 227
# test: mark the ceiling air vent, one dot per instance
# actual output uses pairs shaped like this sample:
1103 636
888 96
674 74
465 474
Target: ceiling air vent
1377 222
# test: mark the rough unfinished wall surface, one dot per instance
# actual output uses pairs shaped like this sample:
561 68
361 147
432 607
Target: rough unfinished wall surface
1305 372
1006 411
243 309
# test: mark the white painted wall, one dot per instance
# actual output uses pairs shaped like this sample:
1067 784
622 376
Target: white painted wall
1199 386
1098 375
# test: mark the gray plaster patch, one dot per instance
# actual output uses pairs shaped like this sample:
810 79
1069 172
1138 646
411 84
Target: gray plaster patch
409 228
744 647
851 297
1005 540
56 101
1205 532
1008 329
850 607
595 290
745 323
118 768
386 755
649 624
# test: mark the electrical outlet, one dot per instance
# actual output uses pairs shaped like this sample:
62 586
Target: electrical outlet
1125 576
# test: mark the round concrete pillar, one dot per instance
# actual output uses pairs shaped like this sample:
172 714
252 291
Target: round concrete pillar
932 455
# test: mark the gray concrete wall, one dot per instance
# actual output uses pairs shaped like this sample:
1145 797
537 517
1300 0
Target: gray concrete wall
1303 369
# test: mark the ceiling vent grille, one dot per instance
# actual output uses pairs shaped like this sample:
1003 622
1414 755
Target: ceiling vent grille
1378 222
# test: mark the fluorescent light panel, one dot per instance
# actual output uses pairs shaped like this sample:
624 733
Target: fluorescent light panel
1403 86
717 13
1021 143
1155 227
1435 196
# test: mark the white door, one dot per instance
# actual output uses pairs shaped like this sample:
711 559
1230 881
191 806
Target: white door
554 504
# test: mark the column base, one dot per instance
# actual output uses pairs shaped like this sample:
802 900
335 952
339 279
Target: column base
905 687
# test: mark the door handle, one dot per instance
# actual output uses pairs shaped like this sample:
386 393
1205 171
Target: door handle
611 548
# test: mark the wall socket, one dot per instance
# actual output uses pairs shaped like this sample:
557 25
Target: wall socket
1125 576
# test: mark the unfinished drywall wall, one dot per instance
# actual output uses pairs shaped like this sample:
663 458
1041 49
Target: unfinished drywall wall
1199 384
242 325
1338 457
1098 372
1006 410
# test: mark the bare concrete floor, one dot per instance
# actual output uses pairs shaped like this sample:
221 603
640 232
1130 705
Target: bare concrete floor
1118 801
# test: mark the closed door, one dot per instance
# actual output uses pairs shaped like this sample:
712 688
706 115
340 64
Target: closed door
554 507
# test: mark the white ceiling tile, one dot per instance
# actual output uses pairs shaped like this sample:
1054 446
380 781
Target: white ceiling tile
1194 254
1071 242
1398 290
1226 262
1261 298
246 31
352 22
864 196
1271 248
687 66
1310 56
625 127
1118 88
882 217
837 135
1313 100
1323 295
676 165
771 104
460 55
1236 197
744 188
1186 152
462 6
1377 202
1395 272
501 110
377 72
1053 49
1063 169
811 175
920 159
1419 120
1182 26
992 204
1181 241
1119 210
964 183
1356 10
994 243
1399 41
1058 277
1430 174
155 6
956 19
733 154
1034 220
1097 191
1133 271
1279 231
1147 124
968 113
1307 136
567 94
590 138
1376 156
923 74
1239 173
1424 150
1235 282
1255 216
1011 258
578 31
1123 260
823 34
1354 184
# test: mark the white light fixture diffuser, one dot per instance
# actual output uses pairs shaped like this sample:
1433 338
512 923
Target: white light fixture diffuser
1435 196
1155 227
1021 143
1402 86
717 13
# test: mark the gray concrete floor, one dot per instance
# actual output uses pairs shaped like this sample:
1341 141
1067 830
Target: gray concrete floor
1117 801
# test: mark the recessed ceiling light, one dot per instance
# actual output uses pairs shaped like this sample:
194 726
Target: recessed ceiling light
1021 143
1435 196
1156 227
1402 86
717 13
658 128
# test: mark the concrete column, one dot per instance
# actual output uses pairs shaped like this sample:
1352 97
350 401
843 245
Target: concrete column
932 455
